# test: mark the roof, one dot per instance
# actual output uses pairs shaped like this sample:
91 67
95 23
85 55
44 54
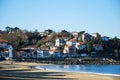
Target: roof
81 42
3 41
96 45
95 33
28 47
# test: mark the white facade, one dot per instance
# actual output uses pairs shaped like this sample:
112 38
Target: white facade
66 50
59 41
96 35
70 50
71 42
53 47
86 37
43 54
75 34
80 46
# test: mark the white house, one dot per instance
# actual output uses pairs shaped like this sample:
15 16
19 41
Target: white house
56 53
75 34
42 34
70 50
53 47
80 45
66 49
86 37
4 44
59 41
49 44
96 34
43 54
71 42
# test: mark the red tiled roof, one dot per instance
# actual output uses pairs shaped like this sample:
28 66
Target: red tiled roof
95 33
45 48
29 47
3 41
96 45
81 42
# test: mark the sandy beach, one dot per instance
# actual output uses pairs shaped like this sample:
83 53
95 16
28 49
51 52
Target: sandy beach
25 71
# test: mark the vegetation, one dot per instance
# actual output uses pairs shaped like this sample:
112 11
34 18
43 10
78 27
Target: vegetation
22 38
89 47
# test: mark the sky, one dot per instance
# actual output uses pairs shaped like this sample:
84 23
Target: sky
102 16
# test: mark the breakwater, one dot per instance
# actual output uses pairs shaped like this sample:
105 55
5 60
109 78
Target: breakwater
70 61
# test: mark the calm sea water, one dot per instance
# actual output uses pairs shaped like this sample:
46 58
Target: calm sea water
110 70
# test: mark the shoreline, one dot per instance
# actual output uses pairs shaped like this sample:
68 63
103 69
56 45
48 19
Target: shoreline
83 72
25 70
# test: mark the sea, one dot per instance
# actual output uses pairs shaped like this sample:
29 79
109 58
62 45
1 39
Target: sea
108 70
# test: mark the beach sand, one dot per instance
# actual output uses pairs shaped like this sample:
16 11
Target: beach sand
25 71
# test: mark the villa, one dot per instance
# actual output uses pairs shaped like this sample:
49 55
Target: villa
71 42
70 50
86 37
59 41
96 35
4 44
43 53
80 45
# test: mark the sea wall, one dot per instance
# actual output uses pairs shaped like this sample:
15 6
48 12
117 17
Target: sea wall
71 61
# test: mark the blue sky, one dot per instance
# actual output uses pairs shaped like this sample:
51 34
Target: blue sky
101 16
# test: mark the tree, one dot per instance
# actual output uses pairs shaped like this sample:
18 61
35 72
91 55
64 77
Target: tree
49 31
16 29
116 46
61 48
8 29
39 43
80 33
89 47
80 36
65 33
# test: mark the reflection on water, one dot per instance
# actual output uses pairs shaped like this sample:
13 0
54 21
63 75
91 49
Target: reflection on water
66 66
104 69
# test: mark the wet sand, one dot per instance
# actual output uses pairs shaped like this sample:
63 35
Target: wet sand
25 71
